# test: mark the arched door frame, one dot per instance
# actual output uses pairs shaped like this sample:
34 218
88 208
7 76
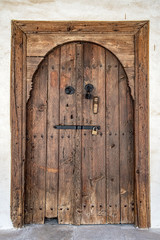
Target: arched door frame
24 34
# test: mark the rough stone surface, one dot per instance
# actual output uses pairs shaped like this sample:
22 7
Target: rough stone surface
88 232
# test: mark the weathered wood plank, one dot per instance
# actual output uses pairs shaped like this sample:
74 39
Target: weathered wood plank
32 65
93 147
136 129
112 139
78 137
24 120
52 134
39 158
17 128
124 43
80 27
36 146
28 166
126 122
142 127
67 146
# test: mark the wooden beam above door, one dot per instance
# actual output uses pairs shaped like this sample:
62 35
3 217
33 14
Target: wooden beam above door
128 27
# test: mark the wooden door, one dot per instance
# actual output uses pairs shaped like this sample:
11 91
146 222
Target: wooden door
71 174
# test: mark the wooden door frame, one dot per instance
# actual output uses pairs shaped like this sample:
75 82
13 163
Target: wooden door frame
140 32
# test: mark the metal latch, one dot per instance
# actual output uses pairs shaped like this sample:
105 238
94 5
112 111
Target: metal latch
77 127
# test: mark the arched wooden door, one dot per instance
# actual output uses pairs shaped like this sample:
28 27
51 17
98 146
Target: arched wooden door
78 175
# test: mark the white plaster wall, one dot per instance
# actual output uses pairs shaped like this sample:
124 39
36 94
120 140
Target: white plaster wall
79 10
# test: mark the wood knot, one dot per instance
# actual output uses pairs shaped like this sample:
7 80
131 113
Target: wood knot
41 108
70 28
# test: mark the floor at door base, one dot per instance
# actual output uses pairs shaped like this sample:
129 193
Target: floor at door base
69 232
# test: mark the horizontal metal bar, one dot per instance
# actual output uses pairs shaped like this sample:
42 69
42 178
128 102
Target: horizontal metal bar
79 127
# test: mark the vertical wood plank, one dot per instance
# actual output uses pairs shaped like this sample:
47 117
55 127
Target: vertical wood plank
24 97
36 146
136 138
28 208
67 148
142 127
93 147
78 138
17 127
126 121
112 139
52 134
39 129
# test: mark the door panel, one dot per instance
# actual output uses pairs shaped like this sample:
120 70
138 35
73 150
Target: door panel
126 150
93 147
71 174
112 139
52 135
67 137
78 139
36 148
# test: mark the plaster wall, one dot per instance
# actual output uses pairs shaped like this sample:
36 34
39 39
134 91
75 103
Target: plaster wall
107 10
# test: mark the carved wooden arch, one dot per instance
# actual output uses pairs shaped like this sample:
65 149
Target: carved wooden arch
28 34
30 85
124 49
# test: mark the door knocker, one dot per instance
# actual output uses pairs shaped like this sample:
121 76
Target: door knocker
89 88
